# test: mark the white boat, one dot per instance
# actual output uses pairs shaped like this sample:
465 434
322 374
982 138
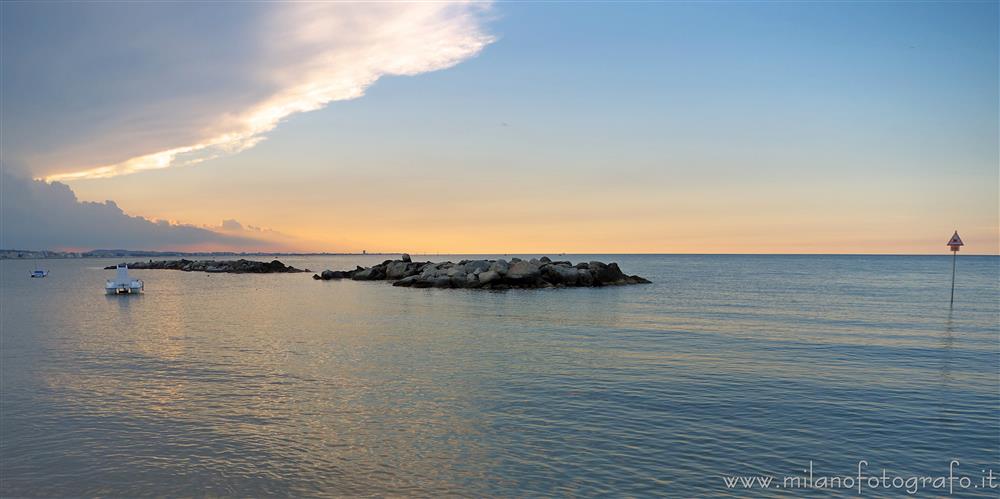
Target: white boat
39 273
122 283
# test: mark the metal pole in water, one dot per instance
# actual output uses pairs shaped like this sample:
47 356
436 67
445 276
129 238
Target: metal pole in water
954 256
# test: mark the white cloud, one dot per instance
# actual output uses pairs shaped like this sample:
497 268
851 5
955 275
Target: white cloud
303 57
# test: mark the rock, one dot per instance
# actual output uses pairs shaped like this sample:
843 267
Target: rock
557 274
414 269
476 266
472 281
421 283
406 258
489 276
608 274
336 274
523 271
428 270
545 259
396 270
584 277
407 281
500 266
369 274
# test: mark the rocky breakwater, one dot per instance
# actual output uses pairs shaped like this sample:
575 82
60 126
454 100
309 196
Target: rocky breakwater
489 274
240 266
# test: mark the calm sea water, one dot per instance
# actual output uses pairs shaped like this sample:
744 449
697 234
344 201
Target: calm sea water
256 385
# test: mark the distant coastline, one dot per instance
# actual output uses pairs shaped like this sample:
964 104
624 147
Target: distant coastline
14 254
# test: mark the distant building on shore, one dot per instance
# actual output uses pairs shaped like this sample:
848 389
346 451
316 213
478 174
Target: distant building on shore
14 254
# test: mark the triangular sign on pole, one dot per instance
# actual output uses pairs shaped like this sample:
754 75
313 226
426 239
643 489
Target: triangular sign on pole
955 241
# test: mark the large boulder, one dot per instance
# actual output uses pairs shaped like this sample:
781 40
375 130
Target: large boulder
406 258
608 274
428 270
488 277
472 281
558 274
500 266
336 274
369 274
476 266
523 271
407 281
414 269
422 283
396 270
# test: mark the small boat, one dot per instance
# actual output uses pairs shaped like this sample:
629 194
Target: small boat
38 273
122 284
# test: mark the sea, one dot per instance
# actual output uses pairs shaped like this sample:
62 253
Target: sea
820 372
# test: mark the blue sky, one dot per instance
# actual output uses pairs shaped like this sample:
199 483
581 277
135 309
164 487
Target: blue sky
835 127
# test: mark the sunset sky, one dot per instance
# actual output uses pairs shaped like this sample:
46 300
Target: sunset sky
768 127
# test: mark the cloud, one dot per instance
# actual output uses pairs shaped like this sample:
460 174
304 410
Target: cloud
39 215
158 85
274 240
231 225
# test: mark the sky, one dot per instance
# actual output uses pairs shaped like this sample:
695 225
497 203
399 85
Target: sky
724 127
